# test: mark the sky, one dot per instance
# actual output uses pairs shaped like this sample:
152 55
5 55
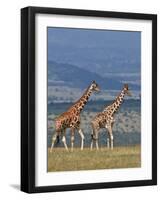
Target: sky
99 51
92 37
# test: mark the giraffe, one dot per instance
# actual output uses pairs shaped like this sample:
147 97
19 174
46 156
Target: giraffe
105 119
71 119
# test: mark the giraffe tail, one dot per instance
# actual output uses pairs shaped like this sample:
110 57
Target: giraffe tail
92 137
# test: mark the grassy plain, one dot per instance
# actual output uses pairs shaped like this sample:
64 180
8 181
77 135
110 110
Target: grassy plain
119 157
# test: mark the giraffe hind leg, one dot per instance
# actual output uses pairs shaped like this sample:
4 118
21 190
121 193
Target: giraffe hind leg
92 141
82 138
97 147
92 136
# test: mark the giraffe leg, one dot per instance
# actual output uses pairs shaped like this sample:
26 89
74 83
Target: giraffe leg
64 141
96 138
82 138
92 138
111 141
54 138
72 138
108 143
97 147
111 135
92 144
108 140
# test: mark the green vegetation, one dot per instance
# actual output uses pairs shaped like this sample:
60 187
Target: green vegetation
119 157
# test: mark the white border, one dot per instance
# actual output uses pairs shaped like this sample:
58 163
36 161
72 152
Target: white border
61 178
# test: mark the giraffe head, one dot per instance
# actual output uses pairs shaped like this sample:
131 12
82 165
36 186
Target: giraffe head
94 86
126 89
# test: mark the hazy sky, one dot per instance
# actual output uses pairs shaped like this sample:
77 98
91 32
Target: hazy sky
92 38
81 46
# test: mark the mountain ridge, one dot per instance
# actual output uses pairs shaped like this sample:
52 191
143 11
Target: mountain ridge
65 74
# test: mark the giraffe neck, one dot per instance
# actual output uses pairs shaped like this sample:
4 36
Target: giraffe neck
79 105
116 104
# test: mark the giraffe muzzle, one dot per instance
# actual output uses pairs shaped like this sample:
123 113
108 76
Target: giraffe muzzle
129 93
97 89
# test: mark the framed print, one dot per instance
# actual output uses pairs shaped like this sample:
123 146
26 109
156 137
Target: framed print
88 99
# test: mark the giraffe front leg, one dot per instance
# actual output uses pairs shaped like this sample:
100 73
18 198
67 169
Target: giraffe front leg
110 141
82 138
111 138
111 135
64 141
54 138
72 138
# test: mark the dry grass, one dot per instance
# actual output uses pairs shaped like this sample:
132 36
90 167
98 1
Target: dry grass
119 157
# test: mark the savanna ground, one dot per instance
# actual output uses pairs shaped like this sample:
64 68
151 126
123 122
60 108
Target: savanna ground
119 157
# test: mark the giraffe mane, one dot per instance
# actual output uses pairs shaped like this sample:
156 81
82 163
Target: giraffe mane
114 101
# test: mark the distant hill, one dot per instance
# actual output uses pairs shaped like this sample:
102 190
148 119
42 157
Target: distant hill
70 75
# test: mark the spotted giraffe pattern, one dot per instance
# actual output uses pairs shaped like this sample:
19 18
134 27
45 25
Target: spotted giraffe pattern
105 119
71 118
